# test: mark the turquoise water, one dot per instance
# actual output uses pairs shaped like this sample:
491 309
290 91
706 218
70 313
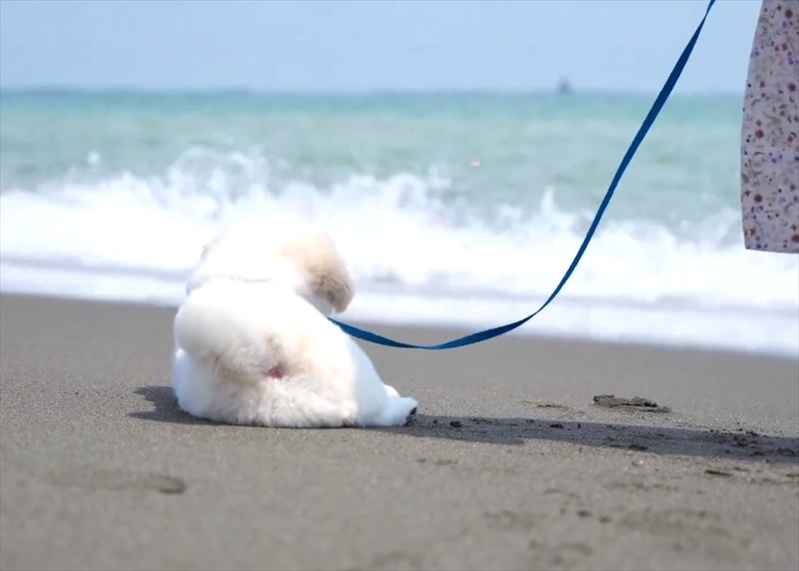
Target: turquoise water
686 169
467 196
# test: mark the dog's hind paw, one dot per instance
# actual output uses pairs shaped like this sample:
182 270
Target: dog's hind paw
398 411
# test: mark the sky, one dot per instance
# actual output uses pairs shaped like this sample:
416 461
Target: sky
334 46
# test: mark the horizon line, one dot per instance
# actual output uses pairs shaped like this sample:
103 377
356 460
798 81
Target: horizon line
376 92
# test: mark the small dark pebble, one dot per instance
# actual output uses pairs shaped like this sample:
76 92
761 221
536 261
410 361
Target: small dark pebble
435 422
583 513
170 489
604 519
456 424
713 472
579 425
556 425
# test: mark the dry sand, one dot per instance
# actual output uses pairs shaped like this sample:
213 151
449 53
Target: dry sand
511 464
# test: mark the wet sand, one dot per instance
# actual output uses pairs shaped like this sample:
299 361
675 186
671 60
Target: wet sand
511 464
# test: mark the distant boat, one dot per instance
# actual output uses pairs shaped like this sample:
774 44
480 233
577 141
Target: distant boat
564 87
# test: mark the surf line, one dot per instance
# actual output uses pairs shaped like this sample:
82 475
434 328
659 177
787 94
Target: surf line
487 334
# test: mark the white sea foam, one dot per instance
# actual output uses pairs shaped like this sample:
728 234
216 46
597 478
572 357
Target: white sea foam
126 237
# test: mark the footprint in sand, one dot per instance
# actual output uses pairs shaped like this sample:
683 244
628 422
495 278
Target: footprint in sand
100 479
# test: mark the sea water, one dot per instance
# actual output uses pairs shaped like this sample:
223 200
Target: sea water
450 209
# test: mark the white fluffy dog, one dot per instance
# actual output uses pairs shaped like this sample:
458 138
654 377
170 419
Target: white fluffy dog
253 344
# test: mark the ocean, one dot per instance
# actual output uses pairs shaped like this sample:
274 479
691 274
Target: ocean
450 209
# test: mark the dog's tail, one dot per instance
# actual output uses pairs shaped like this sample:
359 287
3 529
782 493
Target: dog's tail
221 329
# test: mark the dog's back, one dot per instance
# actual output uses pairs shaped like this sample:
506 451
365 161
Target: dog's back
230 337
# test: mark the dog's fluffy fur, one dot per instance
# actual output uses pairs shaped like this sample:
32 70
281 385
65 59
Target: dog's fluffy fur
253 344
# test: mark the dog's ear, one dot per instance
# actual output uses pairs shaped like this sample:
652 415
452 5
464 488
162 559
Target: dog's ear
324 269
332 281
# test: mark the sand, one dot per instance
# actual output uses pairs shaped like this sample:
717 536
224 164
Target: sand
510 465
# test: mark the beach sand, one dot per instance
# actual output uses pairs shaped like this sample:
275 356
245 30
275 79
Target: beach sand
510 465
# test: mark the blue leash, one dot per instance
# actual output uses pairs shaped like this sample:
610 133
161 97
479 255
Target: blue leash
639 137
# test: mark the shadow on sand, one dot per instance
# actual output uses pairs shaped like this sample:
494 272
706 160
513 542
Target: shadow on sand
739 445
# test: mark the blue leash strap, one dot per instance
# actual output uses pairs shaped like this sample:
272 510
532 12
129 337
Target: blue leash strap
639 137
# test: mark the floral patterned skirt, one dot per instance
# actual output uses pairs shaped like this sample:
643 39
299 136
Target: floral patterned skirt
770 132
